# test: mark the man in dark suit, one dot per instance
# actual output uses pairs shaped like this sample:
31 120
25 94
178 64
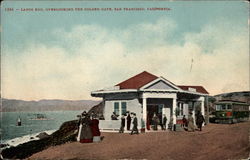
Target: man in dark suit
128 121
164 124
122 124
135 124
199 120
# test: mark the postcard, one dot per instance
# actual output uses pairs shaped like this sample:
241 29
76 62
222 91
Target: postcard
125 80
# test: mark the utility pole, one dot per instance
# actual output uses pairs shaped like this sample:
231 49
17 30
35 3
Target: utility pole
207 118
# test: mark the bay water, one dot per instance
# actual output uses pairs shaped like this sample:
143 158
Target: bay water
31 125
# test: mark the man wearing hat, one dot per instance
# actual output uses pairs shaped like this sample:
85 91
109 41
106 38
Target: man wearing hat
135 124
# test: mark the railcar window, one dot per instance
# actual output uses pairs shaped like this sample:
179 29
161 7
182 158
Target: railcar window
223 107
236 107
229 106
246 108
241 108
218 107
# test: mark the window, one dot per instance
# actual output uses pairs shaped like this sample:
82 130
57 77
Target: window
223 107
246 108
116 108
182 108
160 108
190 106
229 106
218 107
124 107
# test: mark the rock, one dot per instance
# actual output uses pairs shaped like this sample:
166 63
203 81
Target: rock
61 136
42 135
3 145
98 110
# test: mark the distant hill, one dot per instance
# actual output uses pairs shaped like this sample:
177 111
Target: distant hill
13 105
243 96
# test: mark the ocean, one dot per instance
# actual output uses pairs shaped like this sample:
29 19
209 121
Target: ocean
30 125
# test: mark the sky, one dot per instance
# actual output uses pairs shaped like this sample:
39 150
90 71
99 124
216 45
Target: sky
67 54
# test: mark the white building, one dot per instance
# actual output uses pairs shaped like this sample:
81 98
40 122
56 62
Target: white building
146 94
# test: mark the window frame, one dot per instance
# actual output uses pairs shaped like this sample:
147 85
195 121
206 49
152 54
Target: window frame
116 109
122 109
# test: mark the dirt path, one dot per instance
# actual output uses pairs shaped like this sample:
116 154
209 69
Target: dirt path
216 141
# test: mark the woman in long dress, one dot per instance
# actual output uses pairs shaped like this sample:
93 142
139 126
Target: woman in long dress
191 126
79 127
95 128
156 121
85 133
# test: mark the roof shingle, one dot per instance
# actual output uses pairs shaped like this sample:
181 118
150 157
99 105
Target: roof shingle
199 89
137 81
145 77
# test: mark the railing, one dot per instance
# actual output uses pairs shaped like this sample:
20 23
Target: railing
109 124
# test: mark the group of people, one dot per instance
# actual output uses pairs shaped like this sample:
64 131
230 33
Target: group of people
127 119
189 125
88 128
158 120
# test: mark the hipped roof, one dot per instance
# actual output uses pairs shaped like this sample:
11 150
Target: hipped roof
137 81
143 78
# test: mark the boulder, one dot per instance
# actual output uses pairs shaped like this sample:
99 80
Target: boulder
42 135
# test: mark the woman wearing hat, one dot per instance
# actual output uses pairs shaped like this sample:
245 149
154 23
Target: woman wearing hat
95 128
85 133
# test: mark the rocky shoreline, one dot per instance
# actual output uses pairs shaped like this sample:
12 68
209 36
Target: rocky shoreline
66 133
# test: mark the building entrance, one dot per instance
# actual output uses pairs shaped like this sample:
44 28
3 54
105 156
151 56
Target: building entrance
154 109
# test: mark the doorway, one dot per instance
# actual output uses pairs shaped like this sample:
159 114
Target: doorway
154 109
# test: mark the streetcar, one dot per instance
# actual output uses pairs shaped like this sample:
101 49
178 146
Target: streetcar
228 111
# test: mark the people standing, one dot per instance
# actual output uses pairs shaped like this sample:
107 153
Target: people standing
199 120
135 124
85 133
170 124
128 120
114 116
156 121
191 126
164 122
148 121
80 125
92 114
184 121
122 124
160 120
95 128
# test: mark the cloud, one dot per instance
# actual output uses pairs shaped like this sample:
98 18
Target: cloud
91 57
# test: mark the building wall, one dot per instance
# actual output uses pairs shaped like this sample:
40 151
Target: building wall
132 102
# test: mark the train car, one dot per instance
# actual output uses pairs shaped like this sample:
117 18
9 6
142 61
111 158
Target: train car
231 112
